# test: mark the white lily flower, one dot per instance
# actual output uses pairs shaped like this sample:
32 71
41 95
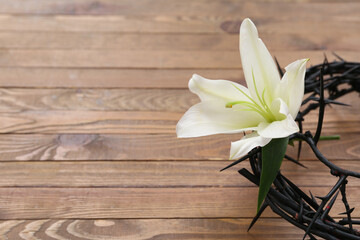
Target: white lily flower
268 106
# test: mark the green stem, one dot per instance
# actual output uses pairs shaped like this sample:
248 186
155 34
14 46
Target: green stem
329 137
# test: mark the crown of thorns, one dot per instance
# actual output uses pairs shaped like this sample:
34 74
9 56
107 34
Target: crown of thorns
334 80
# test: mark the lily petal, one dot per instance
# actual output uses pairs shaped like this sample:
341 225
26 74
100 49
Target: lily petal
246 144
219 90
279 109
278 129
291 88
257 63
211 117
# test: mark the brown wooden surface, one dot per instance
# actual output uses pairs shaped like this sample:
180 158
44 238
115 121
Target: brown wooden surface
91 91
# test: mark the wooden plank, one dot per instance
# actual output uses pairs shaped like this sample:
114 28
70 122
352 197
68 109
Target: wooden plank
163 100
129 229
183 8
127 41
115 78
56 120
112 147
147 59
23 99
184 42
109 78
146 147
139 174
90 203
131 122
128 122
193 24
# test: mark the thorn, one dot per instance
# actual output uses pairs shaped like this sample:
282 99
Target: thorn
347 212
340 58
325 58
321 107
329 101
294 161
238 161
261 210
312 197
279 68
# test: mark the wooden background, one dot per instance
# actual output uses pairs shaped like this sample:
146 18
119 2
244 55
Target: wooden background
90 95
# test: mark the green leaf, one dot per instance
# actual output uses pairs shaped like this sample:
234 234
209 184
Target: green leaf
272 156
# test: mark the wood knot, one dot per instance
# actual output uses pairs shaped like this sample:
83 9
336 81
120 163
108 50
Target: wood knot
76 140
104 223
231 27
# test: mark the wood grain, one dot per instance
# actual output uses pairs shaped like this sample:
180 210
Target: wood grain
178 41
160 147
133 122
61 111
147 59
141 174
109 77
176 24
89 203
99 229
90 92
102 99
165 100
232 8
124 111
144 229
89 121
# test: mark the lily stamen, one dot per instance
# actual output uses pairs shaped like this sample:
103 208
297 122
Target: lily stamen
250 107
262 109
